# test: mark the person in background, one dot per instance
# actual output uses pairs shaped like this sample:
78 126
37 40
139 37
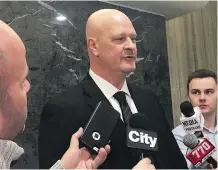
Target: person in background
202 92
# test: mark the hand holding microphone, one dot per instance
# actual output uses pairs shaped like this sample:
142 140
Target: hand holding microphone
140 139
201 150
144 164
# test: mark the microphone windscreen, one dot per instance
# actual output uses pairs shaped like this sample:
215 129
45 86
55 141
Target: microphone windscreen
190 140
139 121
187 109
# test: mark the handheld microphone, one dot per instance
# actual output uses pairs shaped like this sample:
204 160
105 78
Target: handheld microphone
201 150
191 119
139 137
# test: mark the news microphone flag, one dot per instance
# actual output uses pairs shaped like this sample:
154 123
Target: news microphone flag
191 118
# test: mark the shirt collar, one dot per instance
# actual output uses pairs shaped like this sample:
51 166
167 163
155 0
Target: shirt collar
107 88
209 130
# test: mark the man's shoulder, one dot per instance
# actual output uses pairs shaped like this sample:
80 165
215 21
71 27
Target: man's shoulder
70 96
179 131
143 91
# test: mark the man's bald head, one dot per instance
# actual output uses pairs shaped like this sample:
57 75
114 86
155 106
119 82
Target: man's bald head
101 20
12 50
10 41
111 43
7 31
13 83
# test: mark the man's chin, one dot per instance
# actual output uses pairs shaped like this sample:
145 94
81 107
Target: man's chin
205 112
128 71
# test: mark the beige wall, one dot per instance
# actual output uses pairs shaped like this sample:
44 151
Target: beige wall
192 44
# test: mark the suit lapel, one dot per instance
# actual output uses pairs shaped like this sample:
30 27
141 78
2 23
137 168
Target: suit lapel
92 93
135 94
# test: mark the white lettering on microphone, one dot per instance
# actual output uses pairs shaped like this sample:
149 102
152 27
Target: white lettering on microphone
141 137
131 133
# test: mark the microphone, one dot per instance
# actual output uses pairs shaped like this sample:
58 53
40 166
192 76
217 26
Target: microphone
97 132
191 119
201 150
139 138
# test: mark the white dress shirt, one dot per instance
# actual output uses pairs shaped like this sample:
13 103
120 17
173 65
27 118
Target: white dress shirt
109 90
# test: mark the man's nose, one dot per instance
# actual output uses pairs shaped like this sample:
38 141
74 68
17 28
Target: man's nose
130 44
28 86
202 96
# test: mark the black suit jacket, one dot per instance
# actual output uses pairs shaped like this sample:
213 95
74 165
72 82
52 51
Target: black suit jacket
62 116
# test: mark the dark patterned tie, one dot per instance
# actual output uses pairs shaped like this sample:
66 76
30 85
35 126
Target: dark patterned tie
125 109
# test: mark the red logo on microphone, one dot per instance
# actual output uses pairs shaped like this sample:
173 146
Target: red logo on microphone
201 153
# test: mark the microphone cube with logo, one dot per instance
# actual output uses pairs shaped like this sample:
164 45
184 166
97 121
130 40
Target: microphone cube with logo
142 139
201 150
191 118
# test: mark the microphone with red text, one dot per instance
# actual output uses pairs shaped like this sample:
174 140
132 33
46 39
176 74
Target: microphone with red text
201 150
140 137
191 119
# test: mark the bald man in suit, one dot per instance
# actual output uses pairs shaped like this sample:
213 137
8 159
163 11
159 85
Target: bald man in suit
111 43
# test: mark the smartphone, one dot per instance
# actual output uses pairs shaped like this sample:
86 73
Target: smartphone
100 126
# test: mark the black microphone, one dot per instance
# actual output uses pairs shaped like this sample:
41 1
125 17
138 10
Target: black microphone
98 130
201 150
140 138
191 120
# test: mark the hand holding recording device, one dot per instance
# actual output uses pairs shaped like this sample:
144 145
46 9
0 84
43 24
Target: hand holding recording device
100 126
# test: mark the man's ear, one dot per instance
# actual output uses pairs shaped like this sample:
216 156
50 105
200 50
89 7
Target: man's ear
92 46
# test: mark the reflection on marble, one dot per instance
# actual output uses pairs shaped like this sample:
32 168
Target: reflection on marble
57 55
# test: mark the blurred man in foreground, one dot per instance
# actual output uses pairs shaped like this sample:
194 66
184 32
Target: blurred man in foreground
13 108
